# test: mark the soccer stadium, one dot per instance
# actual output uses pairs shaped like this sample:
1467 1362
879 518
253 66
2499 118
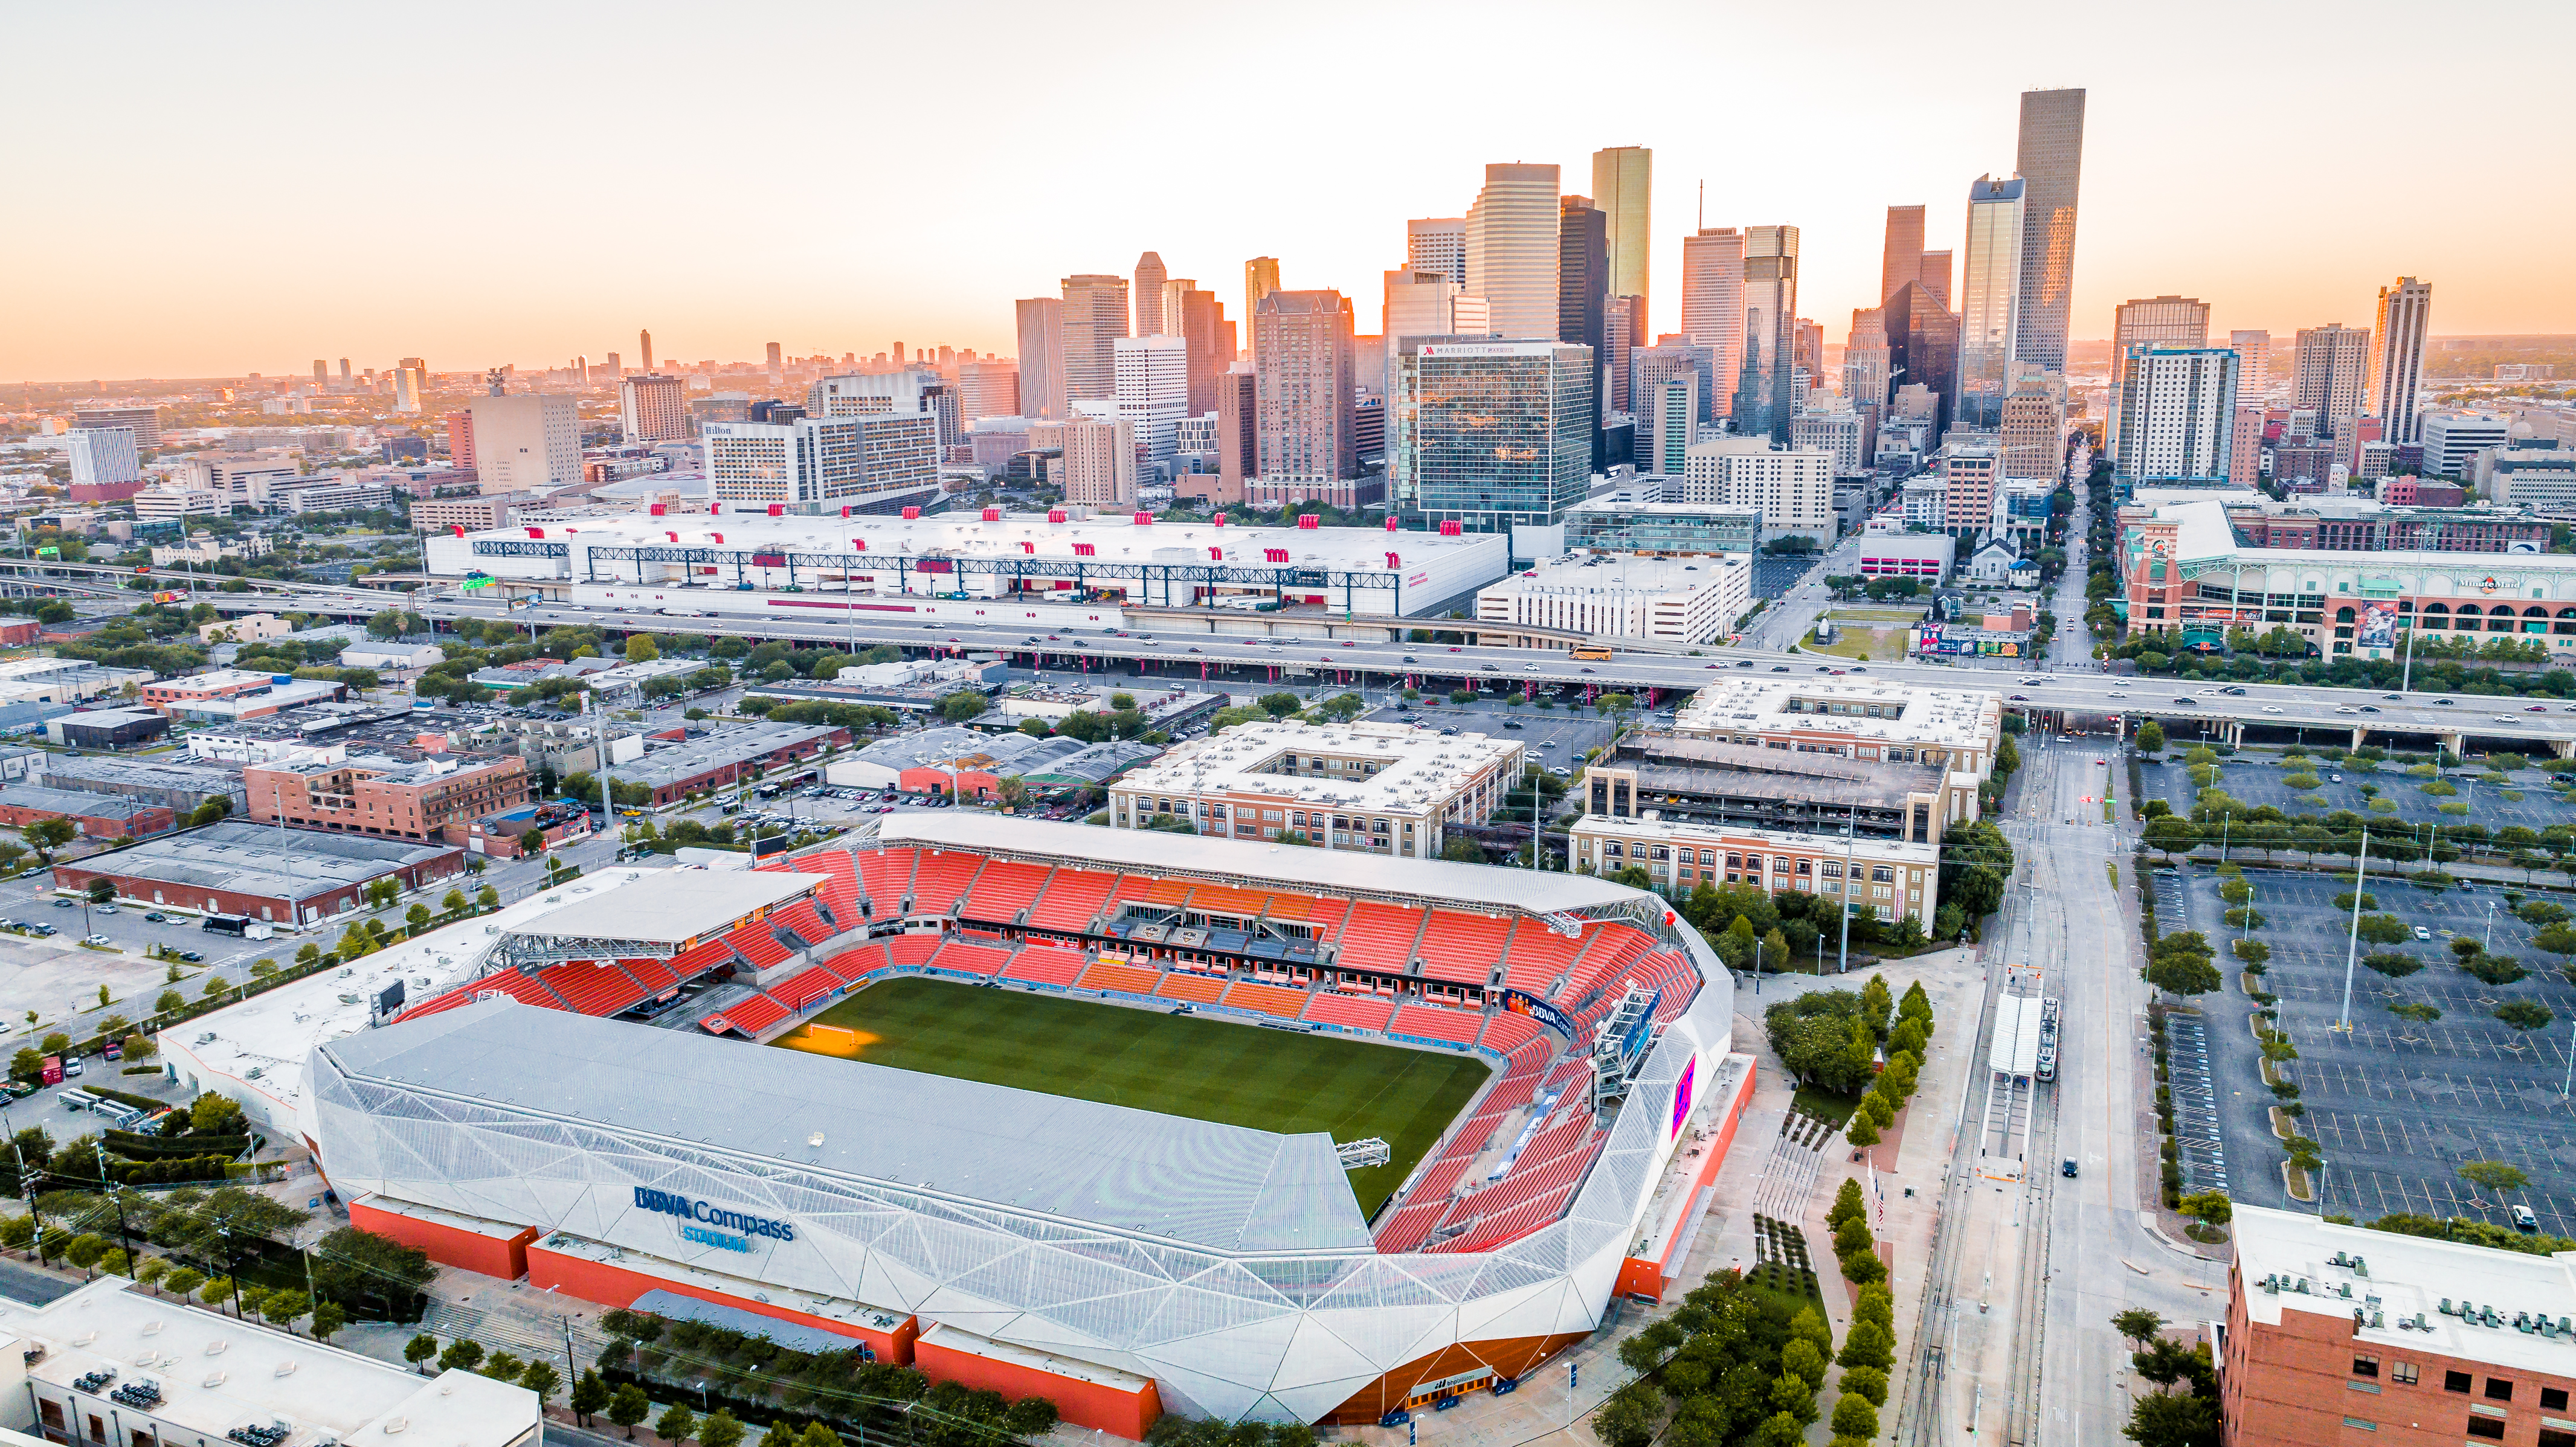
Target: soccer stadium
1141 1122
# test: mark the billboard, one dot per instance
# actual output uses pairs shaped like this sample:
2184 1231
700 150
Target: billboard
1682 1097
2378 626
1521 1002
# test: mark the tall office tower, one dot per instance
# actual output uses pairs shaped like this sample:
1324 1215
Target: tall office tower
1675 414
616 366
644 348
1198 319
989 388
1490 433
774 360
1623 186
1673 356
146 422
1766 390
1238 432
1437 243
2397 364
653 409
344 371
1922 347
321 372
2178 407
1095 317
1150 277
408 387
1511 249
1901 259
1302 365
1583 290
1713 304
1419 303
1621 334
1099 464
1153 390
460 438
1260 279
419 365
527 442
2050 162
2032 433
2254 362
1865 361
1041 329
1986 306
1936 275
2333 376
2162 321
1176 290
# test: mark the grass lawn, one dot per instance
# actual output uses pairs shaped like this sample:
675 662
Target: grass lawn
1824 1105
1194 1066
1869 645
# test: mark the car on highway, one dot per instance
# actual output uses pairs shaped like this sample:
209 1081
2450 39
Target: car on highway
2186 702
2370 708
2033 682
2502 718
1779 668
2444 702
2537 708
2020 698
2394 697
2234 690
2347 710
1454 648
2115 693
2267 708
1409 658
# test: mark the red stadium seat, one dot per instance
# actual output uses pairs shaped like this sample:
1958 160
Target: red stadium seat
1268 999
971 958
1430 1022
1380 937
1045 965
944 876
1198 989
1351 1012
1002 891
1129 979
1072 899
1462 948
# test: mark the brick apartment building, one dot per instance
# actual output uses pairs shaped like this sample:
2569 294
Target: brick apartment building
2342 1334
433 799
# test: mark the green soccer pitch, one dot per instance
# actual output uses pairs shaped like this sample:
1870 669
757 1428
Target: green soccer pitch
1186 1065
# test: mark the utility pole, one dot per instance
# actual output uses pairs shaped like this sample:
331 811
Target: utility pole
1842 961
2352 947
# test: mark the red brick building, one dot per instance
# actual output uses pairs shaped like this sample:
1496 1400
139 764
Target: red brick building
100 816
295 877
2341 1334
437 797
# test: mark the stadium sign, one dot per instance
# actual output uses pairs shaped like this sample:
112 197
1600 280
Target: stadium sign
668 1204
1521 1002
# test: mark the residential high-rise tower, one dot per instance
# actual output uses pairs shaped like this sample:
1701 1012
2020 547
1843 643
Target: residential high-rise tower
2157 321
1309 445
2333 376
2254 363
653 408
2397 358
1260 279
1511 249
644 344
1153 378
2178 407
2050 160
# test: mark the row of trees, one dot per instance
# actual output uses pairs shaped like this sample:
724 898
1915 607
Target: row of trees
1734 1367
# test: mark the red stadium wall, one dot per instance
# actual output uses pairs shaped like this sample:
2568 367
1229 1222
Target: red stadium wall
503 1256
1096 1405
611 1285
1640 1277
1506 1357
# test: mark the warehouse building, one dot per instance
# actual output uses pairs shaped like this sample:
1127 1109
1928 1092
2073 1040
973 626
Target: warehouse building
107 728
1605 596
701 760
180 785
291 878
99 816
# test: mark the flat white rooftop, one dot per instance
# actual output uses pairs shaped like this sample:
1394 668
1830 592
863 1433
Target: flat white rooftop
2401 1278
1615 573
681 907
1863 709
1111 537
216 1374
1402 769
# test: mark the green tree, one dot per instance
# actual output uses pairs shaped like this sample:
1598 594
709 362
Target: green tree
48 835
2163 1419
589 1396
2151 737
720 1430
541 1378
640 648
628 1406
328 1318
2494 1175
676 1424
462 1354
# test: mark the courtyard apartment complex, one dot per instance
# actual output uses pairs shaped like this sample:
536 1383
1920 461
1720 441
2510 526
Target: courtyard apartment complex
1380 788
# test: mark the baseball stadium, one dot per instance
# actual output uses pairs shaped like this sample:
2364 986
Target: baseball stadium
1142 1122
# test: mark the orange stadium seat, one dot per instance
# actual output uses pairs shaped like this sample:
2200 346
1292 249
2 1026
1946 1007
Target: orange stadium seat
1130 979
1430 1022
1538 955
1379 937
750 1016
971 958
1268 999
589 989
1071 898
806 987
1045 965
1002 891
1199 989
942 879
1354 1012
1463 948
885 877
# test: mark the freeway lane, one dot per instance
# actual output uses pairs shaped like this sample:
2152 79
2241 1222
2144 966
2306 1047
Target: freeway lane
2277 705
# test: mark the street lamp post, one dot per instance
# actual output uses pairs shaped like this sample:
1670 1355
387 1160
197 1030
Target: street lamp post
2352 947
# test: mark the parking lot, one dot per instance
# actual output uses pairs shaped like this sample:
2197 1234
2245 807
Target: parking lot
2397 1104
2527 797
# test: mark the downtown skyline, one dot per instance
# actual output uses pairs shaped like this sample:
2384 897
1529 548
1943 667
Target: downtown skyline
527 209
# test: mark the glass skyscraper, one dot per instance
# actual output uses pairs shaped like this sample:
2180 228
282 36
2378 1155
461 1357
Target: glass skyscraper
1766 388
1491 433
1922 346
1988 301
2051 161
